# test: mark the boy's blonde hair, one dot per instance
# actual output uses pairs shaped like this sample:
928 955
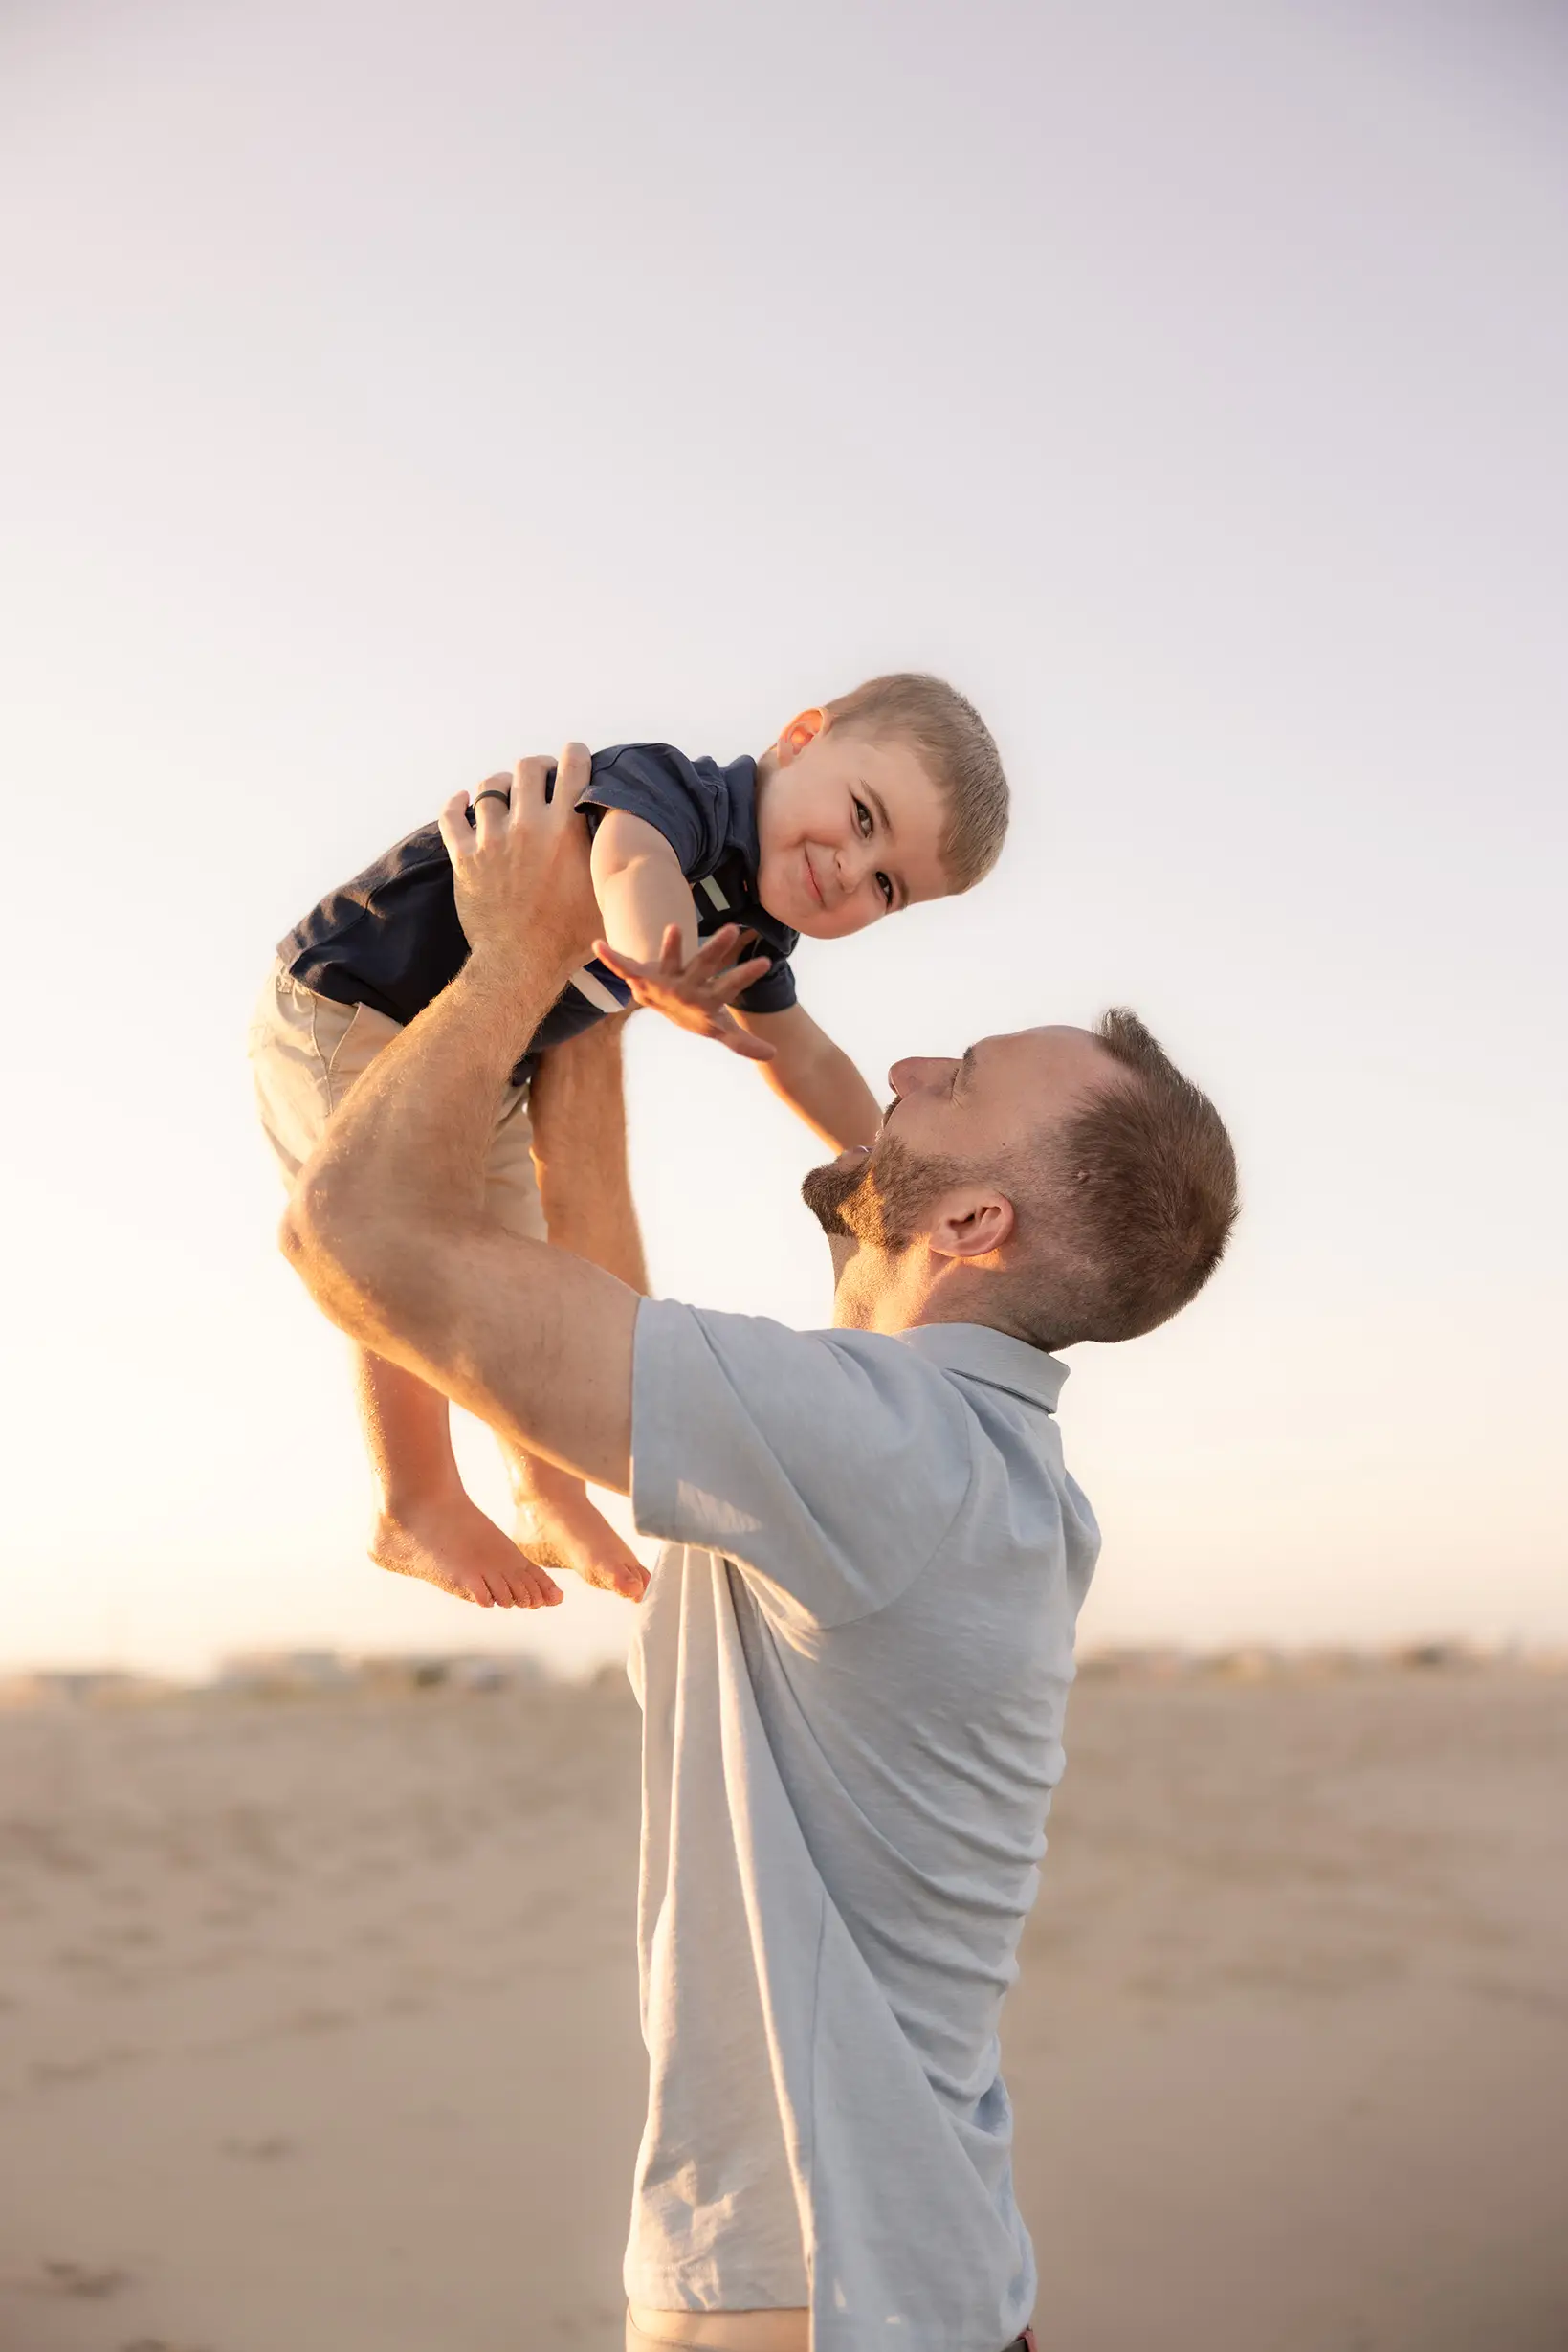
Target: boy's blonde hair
956 747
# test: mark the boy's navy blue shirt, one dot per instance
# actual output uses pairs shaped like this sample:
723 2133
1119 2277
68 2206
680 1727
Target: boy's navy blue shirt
390 938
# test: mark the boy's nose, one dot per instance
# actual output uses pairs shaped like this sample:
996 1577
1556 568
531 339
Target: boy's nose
852 861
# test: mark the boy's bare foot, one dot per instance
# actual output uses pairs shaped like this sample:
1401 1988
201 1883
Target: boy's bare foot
449 1543
557 1527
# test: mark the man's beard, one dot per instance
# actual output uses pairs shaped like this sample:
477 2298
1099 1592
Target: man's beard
882 1199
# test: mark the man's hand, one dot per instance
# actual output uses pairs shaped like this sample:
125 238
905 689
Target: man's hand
696 995
520 870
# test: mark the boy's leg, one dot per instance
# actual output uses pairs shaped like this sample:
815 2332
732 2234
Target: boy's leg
557 1527
425 1524
306 1053
560 1173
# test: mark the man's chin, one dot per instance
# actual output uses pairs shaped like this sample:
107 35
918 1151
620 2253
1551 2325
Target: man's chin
827 1190
880 1198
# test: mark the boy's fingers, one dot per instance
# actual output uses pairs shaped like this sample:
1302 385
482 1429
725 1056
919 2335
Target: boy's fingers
749 1047
743 976
729 1032
709 966
624 967
713 953
714 964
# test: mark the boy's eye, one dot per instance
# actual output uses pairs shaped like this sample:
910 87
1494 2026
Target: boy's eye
886 888
863 818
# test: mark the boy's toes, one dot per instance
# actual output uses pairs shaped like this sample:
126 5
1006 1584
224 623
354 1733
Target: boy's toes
456 1547
528 1587
579 1539
601 1559
514 1582
625 1575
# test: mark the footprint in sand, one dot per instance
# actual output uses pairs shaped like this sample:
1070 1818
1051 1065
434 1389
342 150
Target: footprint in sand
90 2282
45 2070
318 2021
265 2150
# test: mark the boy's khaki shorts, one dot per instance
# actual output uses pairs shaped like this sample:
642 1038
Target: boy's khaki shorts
306 1053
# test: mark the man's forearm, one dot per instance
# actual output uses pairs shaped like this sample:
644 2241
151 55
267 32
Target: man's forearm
578 1108
411 1140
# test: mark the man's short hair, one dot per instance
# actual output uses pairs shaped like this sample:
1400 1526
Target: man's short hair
1133 1207
957 749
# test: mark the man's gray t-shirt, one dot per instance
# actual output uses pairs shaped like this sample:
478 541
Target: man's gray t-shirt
852 1662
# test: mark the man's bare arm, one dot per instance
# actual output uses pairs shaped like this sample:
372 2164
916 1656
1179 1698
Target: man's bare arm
386 1225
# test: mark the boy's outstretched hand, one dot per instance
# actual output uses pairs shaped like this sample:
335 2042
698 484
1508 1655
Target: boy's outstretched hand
696 995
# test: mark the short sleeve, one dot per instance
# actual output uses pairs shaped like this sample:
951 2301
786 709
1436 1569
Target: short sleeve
829 1466
669 791
774 993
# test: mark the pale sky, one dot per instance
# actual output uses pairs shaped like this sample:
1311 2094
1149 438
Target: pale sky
388 392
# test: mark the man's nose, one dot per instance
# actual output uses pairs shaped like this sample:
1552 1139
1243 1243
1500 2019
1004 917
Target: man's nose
918 1075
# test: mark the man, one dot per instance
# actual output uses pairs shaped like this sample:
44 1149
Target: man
854 1655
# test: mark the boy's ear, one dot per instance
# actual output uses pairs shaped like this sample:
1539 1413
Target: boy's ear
802 729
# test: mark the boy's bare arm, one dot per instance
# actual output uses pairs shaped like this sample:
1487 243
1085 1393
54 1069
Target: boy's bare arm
815 1076
387 1224
640 887
578 1108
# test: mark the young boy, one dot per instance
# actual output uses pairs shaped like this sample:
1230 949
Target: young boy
892 794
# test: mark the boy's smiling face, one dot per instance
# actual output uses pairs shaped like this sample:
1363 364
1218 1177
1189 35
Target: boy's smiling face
847 829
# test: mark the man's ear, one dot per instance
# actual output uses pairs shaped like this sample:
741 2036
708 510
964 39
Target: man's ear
802 729
972 1224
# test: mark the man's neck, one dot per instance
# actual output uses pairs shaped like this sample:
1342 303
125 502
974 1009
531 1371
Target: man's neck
875 1292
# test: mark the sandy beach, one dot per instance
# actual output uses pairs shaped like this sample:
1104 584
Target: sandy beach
318 2018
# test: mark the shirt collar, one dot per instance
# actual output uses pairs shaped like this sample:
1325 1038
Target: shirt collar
740 778
995 1357
740 782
